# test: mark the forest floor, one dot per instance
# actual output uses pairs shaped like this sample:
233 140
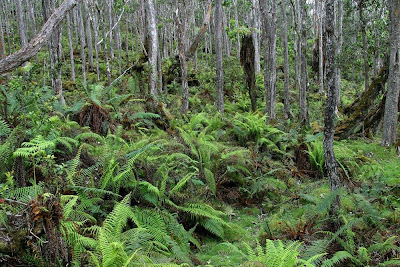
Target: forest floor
252 223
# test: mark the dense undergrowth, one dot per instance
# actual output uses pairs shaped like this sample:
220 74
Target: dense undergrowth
108 181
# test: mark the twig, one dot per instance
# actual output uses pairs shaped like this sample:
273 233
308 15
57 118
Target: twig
115 25
120 76
15 201
44 242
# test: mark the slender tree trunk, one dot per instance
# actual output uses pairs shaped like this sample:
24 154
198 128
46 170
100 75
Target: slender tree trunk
269 29
89 39
21 23
218 51
237 26
110 26
392 99
153 53
255 34
7 26
2 43
95 22
303 63
81 29
329 117
339 35
321 48
71 48
365 44
247 56
182 58
54 51
287 112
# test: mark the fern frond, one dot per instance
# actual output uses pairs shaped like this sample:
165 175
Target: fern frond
5 129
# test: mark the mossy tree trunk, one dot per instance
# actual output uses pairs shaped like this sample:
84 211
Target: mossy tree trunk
331 164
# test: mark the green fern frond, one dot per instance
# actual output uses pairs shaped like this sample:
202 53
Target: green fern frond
339 257
89 135
37 145
181 183
5 129
144 115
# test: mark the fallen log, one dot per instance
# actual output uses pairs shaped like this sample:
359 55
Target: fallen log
364 114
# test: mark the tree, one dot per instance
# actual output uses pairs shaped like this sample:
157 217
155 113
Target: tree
218 51
55 50
392 99
303 62
255 33
247 60
269 9
287 112
25 53
331 104
153 53
182 58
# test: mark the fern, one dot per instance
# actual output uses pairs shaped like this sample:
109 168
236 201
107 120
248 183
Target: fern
144 115
276 254
5 129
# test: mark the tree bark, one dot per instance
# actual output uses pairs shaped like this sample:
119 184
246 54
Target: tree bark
287 111
365 43
181 43
321 48
392 100
255 33
329 117
247 60
339 50
237 26
153 53
303 63
81 29
89 39
21 23
71 47
269 29
218 51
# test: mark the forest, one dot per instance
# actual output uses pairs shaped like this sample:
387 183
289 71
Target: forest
199 133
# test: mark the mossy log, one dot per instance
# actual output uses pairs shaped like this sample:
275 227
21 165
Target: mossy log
364 114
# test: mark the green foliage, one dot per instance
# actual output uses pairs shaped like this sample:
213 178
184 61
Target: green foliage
277 254
359 256
317 158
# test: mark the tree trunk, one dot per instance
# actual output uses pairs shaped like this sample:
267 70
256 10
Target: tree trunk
287 112
89 39
321 48
329 117
81 29
255 34
269 29
339 50
303 63
181 43
21 23
247 60
153 53
237 26
392 100
54 51
71 48
365 44
218 51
